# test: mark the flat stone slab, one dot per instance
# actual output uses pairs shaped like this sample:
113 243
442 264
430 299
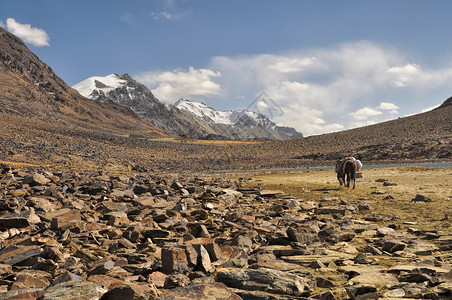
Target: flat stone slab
266 280
80 290
412 267
361 269
379 280
13 255
306 260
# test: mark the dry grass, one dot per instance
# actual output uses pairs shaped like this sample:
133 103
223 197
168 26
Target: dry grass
435 183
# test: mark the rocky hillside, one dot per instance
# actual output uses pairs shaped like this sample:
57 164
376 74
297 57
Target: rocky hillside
123 90
29 88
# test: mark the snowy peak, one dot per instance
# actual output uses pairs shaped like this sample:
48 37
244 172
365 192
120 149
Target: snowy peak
229 117
205 112
94 86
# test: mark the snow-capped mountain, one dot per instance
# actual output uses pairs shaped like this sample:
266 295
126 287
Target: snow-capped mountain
186 118
229 117
205 112
96 86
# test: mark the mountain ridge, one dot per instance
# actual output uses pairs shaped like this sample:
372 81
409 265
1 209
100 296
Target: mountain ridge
124 90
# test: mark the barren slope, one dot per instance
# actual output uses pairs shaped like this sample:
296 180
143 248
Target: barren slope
30 88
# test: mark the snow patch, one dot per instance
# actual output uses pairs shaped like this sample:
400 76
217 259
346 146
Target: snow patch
205 112
103 85
228 117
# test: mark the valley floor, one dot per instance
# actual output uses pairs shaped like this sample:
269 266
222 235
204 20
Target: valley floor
389 191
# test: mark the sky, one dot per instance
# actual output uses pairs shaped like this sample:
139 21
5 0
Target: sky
316 65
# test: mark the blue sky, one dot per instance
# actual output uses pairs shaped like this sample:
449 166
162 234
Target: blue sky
323 65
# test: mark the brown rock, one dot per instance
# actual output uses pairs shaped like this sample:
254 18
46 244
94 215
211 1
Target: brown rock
36 179
361 292
176 280
65 277
31 279
204 260
271 193
14 254
26 294
66 220
20 220
158 278
174 259
101 267
5 268
301 235
209 244
107 281
393 245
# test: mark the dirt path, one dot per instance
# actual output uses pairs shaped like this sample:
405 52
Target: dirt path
393 198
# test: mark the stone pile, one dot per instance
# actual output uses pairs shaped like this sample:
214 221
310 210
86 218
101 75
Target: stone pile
88 235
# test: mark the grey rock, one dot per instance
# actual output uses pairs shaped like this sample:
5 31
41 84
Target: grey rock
362 292
265 280
421 198
81 290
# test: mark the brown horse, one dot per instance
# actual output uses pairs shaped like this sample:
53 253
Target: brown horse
343 167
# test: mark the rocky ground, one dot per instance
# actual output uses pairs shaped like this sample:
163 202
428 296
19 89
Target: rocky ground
94 235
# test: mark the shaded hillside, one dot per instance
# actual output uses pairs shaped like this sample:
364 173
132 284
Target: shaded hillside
447 102
29 88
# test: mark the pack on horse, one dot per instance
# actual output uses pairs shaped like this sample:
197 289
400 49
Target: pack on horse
346 166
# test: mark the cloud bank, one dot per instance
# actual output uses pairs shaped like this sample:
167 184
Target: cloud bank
169 86
318 90
30 35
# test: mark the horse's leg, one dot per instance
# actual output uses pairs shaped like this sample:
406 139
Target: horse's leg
348 179
339 177
353 174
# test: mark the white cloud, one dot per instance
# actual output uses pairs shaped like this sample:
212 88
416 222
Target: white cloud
307 120
405 75
30 35
317 89
171 85
388 106
291 65
365 113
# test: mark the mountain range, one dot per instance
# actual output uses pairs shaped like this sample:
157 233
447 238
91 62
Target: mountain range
186 118
43 121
